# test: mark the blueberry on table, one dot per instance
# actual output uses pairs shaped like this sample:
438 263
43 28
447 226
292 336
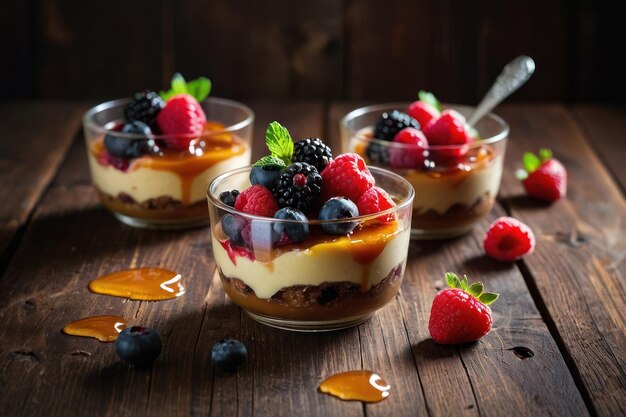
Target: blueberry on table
296 232
139 346
229 354
338 208
265 175
127 148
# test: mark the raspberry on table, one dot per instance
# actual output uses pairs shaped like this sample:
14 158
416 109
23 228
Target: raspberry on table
508 239
256 200
312 151
298 186
182 119
346 176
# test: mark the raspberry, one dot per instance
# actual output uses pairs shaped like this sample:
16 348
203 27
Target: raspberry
182 119
423 112
411 156
508 239
374 200
450 132
391 123
256 200
460 314
346 176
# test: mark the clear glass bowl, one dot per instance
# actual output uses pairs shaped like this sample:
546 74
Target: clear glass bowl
325 282
455 186
166 189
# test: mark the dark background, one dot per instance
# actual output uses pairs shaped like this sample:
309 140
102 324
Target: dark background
312 49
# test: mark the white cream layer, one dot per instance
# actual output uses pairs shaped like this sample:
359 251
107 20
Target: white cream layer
311 266
145 183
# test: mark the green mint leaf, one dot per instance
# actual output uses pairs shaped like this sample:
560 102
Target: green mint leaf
545 154
179 86
429 98
199 88
488 297
531 162
269 160
452 280
476 289
279 142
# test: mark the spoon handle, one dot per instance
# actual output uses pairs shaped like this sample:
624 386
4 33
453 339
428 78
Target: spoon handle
512 77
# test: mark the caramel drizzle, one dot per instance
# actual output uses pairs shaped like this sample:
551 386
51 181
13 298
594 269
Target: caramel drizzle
103 328
146 284
366 386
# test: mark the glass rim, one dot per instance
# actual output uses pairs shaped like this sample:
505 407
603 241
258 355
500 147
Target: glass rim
88 119
407 201
502 134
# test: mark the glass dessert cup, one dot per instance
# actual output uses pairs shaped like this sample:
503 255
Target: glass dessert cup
326 282
166 189
455 185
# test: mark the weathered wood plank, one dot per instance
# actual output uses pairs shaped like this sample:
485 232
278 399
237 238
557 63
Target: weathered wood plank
37 137
606 129
483 378
578 269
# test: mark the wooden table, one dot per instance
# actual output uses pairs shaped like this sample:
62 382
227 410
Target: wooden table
566 302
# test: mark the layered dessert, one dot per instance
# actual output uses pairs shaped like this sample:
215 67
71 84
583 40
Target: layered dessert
310 239
152 160
455 170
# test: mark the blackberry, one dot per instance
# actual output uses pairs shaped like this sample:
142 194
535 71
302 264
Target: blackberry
299 186
377 153
391 123
229 197
144 107
312 151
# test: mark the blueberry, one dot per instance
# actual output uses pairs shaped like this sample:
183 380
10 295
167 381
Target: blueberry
265 175
229 354
229 197
139 346
296 232
131 148
232 225
338 208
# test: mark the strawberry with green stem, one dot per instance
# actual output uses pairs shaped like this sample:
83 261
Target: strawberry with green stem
460 313
543 176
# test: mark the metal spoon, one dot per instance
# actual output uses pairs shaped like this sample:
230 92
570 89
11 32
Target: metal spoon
512 77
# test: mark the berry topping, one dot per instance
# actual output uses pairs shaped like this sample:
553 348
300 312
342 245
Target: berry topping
144 107
338 208
265 175
411 156
423 112
286 232
229 354
299 186
312 151
347 176
461 313
182 119
229 197
232 226
390 124
256 200
377 153
374 200
139 346
449 129
543 177
508 239
127 148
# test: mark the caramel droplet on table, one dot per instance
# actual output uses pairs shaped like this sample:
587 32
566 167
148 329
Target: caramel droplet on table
363 386
146 284
103 328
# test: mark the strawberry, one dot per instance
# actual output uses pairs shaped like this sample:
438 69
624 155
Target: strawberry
461 313
543 177
182 119
423 112
508 239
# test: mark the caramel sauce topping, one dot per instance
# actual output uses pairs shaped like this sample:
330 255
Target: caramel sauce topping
146 284
103 328
203 153
366 386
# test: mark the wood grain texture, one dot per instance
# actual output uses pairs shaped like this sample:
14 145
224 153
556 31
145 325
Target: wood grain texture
38 135
462 380
606 129
578 270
